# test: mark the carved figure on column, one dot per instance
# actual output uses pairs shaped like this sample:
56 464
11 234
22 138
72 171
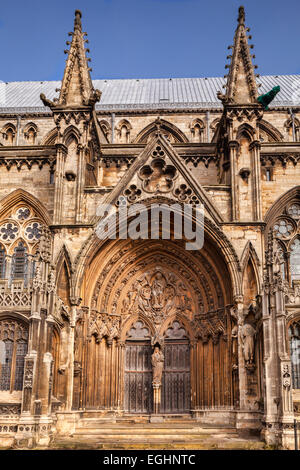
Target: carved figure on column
247 337
157 361
234 336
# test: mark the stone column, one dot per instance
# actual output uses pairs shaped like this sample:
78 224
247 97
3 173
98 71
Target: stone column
233 150
59 182
30 379
156 398
278 417
241 363
25 435
80 183
121 352
256 179
271 369
70 361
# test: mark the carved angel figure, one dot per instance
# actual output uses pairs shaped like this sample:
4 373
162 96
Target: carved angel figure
157 361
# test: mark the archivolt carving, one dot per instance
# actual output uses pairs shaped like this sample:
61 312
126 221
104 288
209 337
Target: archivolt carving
205 297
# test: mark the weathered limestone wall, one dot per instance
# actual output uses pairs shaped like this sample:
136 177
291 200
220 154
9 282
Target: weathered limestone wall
284 178
35 181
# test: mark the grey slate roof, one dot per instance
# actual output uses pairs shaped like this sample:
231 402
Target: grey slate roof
157 93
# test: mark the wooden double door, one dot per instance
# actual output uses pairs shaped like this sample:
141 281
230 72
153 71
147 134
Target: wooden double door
175 389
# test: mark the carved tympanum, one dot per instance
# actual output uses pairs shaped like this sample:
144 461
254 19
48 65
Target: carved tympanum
157 294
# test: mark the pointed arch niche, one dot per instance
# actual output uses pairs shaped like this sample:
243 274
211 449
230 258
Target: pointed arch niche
171 132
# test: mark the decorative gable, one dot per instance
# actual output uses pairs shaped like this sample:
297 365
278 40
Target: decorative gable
158 173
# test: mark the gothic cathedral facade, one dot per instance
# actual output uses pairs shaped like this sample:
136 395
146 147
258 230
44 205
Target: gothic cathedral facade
124 327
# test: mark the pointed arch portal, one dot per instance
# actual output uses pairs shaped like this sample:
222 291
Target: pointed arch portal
148 294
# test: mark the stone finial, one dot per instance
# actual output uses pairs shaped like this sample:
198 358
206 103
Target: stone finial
241 83
77 88
241 17
77 20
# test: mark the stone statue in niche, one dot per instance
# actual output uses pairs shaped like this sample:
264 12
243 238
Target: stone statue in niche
247 338
157 361
286 377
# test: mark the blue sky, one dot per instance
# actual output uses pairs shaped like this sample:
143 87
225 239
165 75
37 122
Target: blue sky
146 38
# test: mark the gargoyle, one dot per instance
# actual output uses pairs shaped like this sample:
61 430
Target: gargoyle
95 97
47 102
224 98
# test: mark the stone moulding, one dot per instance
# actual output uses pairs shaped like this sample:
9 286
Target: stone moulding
12 409
19 162
272 159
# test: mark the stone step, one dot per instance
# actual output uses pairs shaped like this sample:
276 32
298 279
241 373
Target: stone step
135 420
158 435
99 424
217 442
144 438
152 431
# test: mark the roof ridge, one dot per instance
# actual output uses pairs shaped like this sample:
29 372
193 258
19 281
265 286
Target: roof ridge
149 79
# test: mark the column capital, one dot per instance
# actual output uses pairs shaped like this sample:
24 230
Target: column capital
256 144
75 301
35 316
233 144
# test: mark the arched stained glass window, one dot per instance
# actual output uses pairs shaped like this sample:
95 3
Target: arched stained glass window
13 348
19 262
294 336
283 228
287 230
295 260
294 210
2 262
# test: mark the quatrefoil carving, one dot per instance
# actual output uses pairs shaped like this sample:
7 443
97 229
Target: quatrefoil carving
183 192
132 193
158 177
